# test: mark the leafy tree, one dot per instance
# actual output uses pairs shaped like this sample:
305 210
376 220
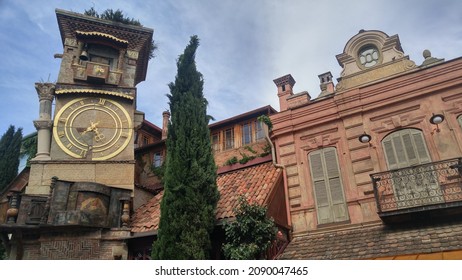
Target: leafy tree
251 234
10 145
190 191
118 16
29 147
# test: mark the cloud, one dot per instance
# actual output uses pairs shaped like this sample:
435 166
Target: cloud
244 45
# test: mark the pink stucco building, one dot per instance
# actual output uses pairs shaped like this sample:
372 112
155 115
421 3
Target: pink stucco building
373 163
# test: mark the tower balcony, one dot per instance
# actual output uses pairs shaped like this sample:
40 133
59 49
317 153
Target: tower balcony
96 73
419 191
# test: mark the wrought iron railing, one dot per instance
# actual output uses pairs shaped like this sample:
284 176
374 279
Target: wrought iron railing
424 185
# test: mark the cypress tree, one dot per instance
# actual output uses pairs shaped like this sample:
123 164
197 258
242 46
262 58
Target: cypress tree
190 191
10 145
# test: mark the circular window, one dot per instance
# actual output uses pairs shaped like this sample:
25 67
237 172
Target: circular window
368 56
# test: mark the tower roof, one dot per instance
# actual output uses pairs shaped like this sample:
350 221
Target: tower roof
134 38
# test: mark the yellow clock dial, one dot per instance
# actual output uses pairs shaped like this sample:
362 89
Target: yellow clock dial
92 128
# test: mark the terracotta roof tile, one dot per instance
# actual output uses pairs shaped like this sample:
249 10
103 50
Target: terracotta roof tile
256 181
376 241
146 217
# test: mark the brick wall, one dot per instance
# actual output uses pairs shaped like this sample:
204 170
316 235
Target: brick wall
73 246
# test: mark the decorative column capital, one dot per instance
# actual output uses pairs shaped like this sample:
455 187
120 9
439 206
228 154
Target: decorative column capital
43 124
45 91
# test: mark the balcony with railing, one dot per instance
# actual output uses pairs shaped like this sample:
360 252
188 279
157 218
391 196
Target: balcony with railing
424 188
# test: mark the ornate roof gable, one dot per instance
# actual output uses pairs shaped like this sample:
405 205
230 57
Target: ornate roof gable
370 56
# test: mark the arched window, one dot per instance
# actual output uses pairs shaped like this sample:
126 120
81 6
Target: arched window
327 185
404 148
459 119
412 186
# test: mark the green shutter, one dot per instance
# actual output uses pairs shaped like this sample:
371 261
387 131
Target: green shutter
409 147
390 154
399 150
339 207
320 188
420 146
405 148
330 201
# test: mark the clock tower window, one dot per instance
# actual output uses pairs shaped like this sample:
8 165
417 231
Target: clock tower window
104 55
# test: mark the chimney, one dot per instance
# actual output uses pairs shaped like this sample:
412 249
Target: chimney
326 84
165 118
285 86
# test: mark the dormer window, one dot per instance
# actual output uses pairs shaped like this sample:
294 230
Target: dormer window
368 56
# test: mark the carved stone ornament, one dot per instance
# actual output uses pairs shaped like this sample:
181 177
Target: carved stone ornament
45 91
71 42
132 54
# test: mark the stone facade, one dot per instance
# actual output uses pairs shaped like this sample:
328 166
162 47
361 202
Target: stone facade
76 204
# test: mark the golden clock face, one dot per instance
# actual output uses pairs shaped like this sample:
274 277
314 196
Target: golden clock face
92 128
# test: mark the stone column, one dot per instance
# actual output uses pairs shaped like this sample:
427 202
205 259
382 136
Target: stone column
44 124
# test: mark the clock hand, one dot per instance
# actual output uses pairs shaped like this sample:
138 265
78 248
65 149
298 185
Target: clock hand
91 128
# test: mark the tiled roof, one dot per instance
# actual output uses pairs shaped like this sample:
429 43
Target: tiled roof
376 241
19 182
146 217
257 181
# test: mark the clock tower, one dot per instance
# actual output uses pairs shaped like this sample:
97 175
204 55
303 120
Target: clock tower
92 130
77 202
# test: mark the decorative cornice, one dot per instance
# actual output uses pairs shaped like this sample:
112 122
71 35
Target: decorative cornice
101 34
94 91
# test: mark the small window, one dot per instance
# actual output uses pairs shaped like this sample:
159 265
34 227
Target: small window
216 142
157 159
369 56
246 133
459 119
145 140
259 132
229 138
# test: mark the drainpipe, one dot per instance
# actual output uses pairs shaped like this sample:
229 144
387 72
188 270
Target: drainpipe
284 175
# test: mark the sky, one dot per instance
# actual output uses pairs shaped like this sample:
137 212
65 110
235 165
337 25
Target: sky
244 46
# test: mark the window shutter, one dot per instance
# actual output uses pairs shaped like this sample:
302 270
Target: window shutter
320 188
420 146
409 147
328 189
405 148
335 185
390 154
399 150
